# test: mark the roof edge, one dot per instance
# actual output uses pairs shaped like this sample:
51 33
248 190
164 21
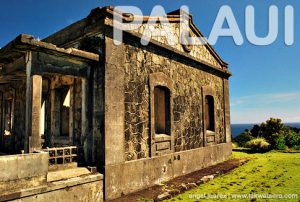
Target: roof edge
32 44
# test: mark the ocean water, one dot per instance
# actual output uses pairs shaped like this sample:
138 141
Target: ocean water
237 129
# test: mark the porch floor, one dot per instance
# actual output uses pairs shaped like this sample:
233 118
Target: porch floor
67 174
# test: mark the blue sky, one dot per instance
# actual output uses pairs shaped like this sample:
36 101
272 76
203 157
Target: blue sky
265 82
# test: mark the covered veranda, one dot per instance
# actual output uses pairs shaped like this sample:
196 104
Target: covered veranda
45 97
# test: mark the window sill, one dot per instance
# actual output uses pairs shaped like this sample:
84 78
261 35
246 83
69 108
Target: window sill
210 132
210 137
162 137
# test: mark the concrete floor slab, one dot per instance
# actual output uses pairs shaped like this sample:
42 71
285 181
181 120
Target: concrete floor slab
66 174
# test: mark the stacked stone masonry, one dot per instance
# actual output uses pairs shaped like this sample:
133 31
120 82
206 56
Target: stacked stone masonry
187 101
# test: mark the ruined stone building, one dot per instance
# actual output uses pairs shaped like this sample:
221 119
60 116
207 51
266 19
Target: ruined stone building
140 114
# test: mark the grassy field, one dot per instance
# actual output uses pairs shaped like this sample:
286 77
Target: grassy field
268 173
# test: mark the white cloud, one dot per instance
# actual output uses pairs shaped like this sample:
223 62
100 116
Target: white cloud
263 99
258 108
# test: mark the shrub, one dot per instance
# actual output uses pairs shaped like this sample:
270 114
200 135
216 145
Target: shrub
234 145
292 139
242 138
279 142
269 129
255 131
297 147
258 144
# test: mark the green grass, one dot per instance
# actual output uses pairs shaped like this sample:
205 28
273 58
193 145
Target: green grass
268 173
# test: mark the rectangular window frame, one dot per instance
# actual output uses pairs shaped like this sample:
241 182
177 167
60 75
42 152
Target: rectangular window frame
162 111
209 136
210 113
160 143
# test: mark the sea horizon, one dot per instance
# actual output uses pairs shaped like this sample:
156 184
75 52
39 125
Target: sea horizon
238 128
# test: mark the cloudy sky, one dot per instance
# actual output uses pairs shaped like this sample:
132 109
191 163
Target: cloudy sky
266 79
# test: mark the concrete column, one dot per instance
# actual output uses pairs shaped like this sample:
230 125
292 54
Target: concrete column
114 116
54 129
87 134
71 115
114 104
1 117
98 116
28 58
33 107
227 110
35 138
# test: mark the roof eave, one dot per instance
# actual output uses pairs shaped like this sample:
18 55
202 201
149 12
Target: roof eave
24 42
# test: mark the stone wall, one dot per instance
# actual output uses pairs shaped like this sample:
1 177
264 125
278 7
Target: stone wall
128 116
188 81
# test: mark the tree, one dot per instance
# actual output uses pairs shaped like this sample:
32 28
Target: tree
279 142
292 139
243 138
255 131
271 129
